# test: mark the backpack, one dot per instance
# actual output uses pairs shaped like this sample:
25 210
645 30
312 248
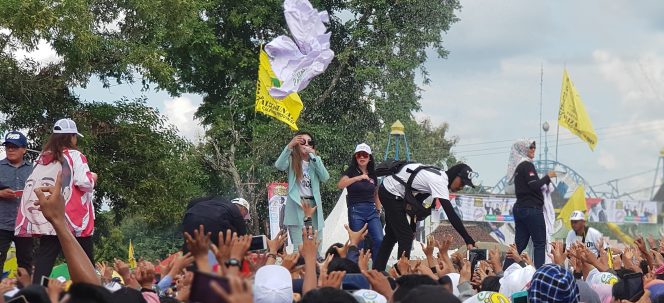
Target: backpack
390 167
414 207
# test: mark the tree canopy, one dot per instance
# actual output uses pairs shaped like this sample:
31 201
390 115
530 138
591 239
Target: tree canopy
210 47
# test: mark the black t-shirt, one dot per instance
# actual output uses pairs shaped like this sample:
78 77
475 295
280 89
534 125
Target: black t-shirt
217 214
527 186
360 191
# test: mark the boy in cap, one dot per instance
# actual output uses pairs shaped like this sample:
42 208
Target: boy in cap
582 233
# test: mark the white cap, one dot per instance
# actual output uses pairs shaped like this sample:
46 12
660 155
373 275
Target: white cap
66 126
577 215
362 147
242 202
368 296
273 284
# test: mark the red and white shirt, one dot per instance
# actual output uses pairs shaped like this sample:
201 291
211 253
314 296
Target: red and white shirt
77 190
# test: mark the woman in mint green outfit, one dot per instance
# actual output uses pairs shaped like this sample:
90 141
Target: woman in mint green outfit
305 173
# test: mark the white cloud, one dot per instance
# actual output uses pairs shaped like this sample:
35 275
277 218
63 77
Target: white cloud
606 160
43 54
180 113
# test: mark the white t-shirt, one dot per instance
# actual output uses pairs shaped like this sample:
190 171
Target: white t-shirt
425 182
591 238
305 183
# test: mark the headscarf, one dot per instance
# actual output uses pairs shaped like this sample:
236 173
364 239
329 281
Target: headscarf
518 154
552 283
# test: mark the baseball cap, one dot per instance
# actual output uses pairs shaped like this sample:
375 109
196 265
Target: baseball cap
273 284
242 202
363 147
16 138
66 126
577 215
461 170
368 296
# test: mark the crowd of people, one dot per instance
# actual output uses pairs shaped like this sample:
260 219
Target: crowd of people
52 200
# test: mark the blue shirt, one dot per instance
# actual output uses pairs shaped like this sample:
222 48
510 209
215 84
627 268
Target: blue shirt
15 178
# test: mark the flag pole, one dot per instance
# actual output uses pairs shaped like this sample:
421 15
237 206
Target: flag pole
558 123
540 116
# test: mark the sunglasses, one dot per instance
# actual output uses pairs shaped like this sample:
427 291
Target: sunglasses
361 155
308 142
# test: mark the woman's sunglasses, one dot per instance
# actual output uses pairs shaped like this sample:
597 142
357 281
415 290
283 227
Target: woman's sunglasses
308 142
361 155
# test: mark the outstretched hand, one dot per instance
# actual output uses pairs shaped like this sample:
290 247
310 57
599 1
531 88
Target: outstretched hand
52 205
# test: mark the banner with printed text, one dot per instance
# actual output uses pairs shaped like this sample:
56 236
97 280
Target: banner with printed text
499 209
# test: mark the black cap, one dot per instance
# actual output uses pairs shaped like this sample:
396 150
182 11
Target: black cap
460 170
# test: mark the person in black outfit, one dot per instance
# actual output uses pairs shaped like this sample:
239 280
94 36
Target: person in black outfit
528 209
362 198
216 214
434 182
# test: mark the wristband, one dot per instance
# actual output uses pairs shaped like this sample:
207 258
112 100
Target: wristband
233 262
271 255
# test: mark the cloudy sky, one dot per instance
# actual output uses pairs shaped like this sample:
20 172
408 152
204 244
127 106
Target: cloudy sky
488 89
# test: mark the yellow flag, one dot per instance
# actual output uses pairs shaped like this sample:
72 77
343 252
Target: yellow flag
131 259
573 115
576 202
286 110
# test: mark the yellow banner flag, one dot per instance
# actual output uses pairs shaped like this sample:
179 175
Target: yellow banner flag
286 110
573 115
131 260
576 202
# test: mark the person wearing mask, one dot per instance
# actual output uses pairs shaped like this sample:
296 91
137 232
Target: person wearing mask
305 173
14 172
438 185
582 233
529 207
59 157
362 199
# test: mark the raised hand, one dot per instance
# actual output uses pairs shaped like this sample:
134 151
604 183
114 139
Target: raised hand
332 279
513 254
465 274
54 289
199 244
180 263
558 254
53 205
308 209
240 246
403 265
276 243
145 274
355 237
379 283
289 261
309 246
363 260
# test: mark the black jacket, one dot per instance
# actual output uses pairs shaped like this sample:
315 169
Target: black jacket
527 186
217 214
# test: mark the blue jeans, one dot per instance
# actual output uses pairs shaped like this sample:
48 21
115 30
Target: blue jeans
366 213
529 223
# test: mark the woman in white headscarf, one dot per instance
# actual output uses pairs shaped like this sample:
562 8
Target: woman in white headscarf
528 210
